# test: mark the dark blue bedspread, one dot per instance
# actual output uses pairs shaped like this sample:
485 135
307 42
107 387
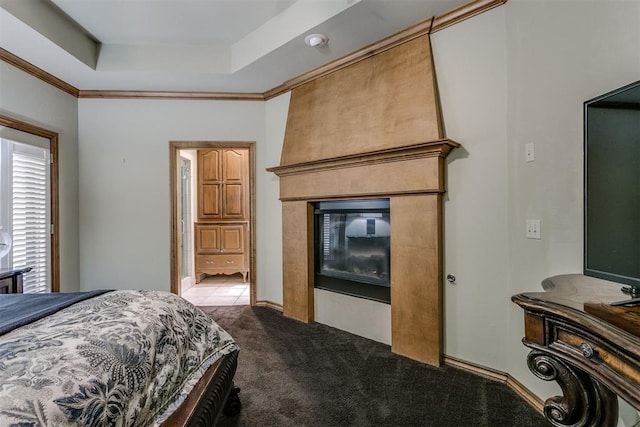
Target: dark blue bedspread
21 309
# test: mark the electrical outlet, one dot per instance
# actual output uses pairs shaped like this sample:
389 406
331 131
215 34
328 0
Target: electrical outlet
529 155
533 229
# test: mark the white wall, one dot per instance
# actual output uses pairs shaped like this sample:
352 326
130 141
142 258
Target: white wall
269 221
514 75
470 60
124 180
29 99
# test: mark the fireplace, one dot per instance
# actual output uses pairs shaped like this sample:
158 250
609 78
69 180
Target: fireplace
369 130
352 248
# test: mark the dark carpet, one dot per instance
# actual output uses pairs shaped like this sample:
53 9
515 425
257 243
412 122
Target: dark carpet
296 374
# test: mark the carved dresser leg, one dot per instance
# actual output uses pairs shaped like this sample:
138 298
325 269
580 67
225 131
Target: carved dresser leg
585 402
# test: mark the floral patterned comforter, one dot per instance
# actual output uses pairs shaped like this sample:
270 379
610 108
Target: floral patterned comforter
124 358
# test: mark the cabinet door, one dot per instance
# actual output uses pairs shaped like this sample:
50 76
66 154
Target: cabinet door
235 178
209 184
233 201
233 165
208 239
232 238
209 196
209 166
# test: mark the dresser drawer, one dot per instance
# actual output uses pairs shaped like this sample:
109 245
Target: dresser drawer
600 356
207 262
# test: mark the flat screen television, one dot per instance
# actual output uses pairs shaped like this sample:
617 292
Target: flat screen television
612 187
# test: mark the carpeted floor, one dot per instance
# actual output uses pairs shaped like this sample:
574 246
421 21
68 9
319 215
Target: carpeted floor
296 374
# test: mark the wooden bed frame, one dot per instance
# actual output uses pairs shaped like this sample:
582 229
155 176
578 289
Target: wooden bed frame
212 396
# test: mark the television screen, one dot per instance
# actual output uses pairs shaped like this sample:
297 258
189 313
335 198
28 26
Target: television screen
612 186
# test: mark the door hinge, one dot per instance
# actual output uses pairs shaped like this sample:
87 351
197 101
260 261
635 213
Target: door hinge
51 227
51 158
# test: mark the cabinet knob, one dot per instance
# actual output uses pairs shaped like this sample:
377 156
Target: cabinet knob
587 350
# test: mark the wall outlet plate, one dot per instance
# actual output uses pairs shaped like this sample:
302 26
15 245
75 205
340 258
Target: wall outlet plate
533 229
529 154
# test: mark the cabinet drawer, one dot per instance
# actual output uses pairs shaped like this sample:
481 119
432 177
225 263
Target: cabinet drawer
600 356
205 262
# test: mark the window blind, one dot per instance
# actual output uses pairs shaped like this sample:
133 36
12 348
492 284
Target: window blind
30 218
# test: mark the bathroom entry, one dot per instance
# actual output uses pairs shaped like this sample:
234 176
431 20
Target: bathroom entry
213 203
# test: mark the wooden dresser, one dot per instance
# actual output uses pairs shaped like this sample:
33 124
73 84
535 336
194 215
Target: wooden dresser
221 233
590 348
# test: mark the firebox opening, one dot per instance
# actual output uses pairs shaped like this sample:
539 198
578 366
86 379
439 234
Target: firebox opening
352 248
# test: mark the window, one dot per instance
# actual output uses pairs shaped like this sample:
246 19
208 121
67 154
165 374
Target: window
25 213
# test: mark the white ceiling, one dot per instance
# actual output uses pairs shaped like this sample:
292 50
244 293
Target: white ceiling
245 46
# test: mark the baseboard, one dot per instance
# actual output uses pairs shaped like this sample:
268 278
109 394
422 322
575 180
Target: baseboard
525 394
479 370
269 304
495 375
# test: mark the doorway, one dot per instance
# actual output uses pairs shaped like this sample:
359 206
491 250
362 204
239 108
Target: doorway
29 203
195 243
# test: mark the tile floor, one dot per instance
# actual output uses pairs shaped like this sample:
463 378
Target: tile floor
219 290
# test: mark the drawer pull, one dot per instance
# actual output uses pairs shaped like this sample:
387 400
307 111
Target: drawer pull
587 350
230 262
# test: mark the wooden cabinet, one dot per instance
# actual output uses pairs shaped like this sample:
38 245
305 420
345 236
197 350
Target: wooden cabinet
220 238
221 249
221 233
222 184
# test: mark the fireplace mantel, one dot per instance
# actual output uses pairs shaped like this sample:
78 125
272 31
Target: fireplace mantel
439 148
378 173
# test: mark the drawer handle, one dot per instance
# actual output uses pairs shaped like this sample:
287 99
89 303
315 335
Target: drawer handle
587 350
230 262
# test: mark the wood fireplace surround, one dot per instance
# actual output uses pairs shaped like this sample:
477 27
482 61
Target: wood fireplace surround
372 129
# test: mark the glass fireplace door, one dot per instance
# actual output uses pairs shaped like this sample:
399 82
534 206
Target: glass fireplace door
352 239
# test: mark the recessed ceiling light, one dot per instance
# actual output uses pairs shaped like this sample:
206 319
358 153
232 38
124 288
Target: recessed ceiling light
316 40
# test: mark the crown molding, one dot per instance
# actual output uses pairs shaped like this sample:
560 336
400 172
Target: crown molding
428 26
141 94
464 12
29 68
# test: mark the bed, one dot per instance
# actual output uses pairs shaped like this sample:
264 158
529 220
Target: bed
113 358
